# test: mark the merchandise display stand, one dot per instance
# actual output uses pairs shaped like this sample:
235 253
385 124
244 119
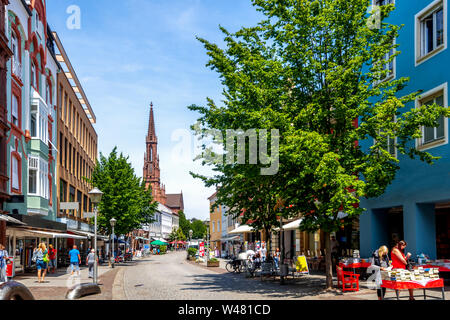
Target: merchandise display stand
405 285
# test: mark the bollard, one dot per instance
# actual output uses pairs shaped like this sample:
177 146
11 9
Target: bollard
15 291
82 290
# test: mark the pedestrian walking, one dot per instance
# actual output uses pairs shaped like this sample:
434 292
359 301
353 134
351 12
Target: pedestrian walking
90 261
380 259
75 259
40 256
400 261
3 263
276 257
52 258
263 252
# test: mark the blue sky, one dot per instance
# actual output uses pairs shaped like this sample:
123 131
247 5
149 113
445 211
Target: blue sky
131 52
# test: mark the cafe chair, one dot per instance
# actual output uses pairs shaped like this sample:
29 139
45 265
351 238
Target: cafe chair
349 280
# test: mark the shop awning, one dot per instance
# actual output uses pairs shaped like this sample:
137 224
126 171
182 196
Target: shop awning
57 235
242 229
90 235
142 238
294 225
6 218
230 238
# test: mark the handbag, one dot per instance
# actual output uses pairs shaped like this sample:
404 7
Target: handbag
46 259
34 257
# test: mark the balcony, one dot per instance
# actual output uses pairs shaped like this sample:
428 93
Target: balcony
17 68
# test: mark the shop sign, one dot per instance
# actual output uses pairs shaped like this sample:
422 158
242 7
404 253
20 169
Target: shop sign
72 224
88 215
84 227
202 249
69 205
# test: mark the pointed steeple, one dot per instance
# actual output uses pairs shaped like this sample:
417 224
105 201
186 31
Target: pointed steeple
151 135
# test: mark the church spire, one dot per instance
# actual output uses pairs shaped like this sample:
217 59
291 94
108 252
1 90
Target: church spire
151 162
151 134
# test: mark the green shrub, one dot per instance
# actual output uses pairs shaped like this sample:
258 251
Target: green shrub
163 249
213 260
192 252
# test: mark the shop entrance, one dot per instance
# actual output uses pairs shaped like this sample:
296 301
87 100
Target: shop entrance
443 233
395 226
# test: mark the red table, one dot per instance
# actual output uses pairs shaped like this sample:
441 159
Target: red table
404 285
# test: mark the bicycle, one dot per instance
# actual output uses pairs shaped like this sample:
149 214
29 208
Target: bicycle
234 266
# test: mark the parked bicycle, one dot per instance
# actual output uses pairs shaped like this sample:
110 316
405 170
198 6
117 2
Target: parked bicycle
235 265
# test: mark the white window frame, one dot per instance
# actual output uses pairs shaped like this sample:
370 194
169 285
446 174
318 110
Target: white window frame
40 166
40 111
395 143
374 2
419 142
432 7
15 183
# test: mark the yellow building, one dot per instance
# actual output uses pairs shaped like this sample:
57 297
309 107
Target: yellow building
215 224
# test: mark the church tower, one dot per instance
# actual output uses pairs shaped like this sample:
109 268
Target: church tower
151 162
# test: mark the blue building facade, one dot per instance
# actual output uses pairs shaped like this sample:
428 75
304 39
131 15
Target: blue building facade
416 206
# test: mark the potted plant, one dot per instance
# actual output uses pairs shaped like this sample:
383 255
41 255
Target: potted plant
213 263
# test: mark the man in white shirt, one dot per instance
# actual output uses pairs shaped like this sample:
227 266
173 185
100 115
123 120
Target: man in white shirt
263 252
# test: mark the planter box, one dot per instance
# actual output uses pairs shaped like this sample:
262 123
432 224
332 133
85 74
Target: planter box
192 258
213 264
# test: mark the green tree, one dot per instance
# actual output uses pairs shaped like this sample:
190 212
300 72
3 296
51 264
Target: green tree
185 224
125 197
199 229
310 69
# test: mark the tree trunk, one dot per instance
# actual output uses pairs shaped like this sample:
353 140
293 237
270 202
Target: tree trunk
328 261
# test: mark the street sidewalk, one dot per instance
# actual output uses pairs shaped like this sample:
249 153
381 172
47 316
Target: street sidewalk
315 282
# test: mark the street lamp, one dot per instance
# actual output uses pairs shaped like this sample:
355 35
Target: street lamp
190 235
113 223
96 196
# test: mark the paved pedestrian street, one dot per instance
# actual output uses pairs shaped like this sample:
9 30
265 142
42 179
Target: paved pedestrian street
172 277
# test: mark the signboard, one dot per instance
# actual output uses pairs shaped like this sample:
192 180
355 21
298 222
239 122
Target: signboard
302 265
9 268
88 215
69 205
202 249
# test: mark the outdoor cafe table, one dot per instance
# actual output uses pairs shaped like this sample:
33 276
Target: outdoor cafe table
405 285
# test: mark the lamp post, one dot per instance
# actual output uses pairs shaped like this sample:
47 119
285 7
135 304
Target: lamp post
96 196
190 235
113 223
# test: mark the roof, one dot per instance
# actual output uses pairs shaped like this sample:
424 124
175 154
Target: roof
163 208
175 200
212 196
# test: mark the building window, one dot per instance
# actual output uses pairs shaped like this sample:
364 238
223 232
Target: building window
16 65
33 76
38 177
213 226
384 2
48 92
39 122
431 26
62 190
15 110
434 136
15 173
